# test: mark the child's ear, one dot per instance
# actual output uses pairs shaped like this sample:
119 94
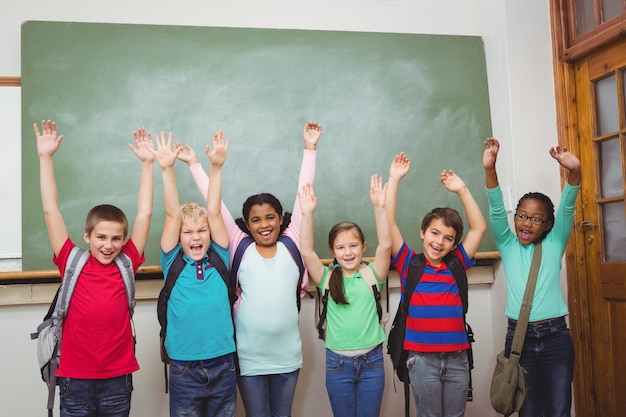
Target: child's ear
421 234
548 226
86 237
364 246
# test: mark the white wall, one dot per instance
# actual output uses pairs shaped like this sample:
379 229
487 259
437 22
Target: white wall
518 55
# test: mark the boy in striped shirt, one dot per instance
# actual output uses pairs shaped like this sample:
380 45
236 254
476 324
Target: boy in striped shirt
435 330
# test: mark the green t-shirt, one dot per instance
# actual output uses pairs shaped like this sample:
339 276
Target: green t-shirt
354 325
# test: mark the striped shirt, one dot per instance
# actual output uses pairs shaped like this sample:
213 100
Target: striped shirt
435 319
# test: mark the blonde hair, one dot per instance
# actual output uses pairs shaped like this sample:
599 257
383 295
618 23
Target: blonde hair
192 211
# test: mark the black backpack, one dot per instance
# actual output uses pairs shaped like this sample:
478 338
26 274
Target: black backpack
395 342
164 296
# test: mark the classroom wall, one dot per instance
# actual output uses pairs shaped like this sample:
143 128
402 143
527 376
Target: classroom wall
518 55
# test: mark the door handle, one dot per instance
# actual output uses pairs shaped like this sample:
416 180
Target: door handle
586 225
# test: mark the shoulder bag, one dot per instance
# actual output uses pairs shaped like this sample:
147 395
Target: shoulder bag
508 383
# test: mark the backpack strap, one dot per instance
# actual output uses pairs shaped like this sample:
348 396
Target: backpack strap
216 261
234 266
297 258
370 279
128 277
321 306
416 270
75 263
291 247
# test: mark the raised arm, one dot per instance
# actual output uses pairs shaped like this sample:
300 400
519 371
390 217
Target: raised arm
143 150
201 179
217 157
400 166
382 257
308 203
311 133
570 162
47 144
492 146
477 224
166 157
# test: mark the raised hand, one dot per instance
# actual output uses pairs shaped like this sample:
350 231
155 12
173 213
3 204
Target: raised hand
400 166
308 202
144 148
492 146
47 142
377 191
311 132
217 155
564 157
187 154
451 181
165 153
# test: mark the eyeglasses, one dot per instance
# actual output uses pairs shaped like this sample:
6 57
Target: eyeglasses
534 220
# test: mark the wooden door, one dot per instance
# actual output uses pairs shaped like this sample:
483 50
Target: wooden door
598 289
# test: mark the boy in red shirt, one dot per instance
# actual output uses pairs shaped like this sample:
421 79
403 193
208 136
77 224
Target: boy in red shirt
97 344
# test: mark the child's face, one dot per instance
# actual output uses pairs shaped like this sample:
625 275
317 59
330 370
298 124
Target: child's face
532 211
106 241
264 224
438 241
348 251
195 237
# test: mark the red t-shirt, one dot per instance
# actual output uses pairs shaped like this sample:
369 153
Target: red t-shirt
97 340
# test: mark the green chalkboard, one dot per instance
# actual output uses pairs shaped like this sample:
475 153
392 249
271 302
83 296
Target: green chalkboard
375 94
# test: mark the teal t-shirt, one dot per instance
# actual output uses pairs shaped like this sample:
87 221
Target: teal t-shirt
548 301
355 325
199 322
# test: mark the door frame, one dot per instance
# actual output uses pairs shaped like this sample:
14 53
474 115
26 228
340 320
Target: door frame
587 397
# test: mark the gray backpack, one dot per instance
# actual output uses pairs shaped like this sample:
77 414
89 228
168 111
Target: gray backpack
49 332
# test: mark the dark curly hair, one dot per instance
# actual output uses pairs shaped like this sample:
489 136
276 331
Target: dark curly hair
258 199
547 203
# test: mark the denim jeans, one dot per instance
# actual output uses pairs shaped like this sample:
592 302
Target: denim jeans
548 359
355 384
268 395
205 388
95 397
440 381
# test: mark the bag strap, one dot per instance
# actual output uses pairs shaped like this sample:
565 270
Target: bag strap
527 303
297 257
370 279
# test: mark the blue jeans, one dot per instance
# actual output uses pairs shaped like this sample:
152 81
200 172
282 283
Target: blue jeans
95 397
355 384
548 358
205 388
268 395
440 381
